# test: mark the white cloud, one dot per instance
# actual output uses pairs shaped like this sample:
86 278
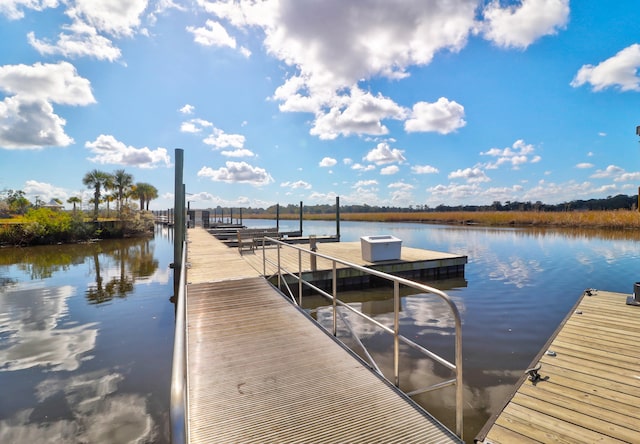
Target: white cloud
212 34
616 173
187 109
27 117
109 150
389 170
363 168
237 172
298 185
515 155
14 9
357 113
44 191
81 40
327 162
401 186
519 25
424 169
471 175
443 116
220 139
383 154
620 71
194 126
117 18
365 183
584 165
241 152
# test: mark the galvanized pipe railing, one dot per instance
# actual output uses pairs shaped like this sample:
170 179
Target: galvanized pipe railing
395 331
178 408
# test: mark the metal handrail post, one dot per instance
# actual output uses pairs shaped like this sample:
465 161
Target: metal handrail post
178 402
396 332
300 278
334 293
279 269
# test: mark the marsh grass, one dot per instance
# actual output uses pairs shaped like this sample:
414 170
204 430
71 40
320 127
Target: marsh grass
616 219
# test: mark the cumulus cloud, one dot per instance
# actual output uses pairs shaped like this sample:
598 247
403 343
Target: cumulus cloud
401 186
241 152
219 139
44 191
424 169
519 25
443 116
327 162
194 125
212 34
471 175
616 173
365 183
584 165
109 150
517 154
237 172
619 71
27 117
383 154
389 170
80 40
362 168
298 185
187 109
357 113
14 9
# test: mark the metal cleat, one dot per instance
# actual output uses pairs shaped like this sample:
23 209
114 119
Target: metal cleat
534 376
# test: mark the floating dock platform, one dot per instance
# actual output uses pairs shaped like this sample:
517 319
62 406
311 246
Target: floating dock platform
260 370
587 388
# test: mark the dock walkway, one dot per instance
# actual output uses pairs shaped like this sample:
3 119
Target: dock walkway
589 389
260 370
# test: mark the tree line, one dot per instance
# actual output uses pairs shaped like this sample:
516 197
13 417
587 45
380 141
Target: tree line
116 187
618 202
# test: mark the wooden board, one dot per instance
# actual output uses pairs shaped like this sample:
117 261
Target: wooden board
590 389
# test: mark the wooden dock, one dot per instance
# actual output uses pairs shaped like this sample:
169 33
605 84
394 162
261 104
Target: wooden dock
260 370
589 386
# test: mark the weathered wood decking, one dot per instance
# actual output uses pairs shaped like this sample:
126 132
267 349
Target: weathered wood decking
260 370
590 386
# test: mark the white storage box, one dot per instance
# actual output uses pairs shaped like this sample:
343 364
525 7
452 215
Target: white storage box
380 248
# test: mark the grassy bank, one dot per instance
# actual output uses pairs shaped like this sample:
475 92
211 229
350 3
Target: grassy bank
618 219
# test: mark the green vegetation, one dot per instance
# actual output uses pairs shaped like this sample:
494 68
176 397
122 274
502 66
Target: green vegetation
26 223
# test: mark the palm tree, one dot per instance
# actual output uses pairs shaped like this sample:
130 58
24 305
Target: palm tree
122 183
97 180
74 200
145 192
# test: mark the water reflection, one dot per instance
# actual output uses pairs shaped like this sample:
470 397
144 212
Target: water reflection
122 267
72 367
88 409
35 330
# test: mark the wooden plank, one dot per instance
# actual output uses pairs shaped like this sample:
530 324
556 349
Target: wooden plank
261 371
590 388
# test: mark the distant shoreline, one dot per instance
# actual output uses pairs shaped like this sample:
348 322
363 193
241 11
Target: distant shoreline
610 219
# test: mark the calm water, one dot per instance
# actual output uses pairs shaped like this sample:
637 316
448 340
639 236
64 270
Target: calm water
86 332
86 338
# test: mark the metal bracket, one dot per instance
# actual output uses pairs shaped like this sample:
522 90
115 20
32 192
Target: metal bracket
534 376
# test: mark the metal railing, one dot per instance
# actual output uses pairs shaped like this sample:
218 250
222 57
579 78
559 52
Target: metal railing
456 367
178 408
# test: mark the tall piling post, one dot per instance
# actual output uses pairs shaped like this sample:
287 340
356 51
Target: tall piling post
338 217
300 218
178 214
278 217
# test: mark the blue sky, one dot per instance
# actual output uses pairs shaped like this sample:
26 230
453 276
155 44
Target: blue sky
379 102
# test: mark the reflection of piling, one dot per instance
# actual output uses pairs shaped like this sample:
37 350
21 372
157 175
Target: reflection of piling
314 248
